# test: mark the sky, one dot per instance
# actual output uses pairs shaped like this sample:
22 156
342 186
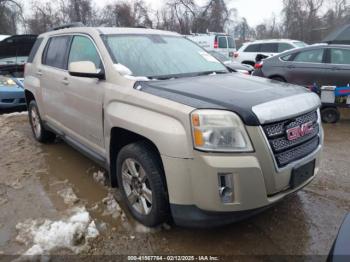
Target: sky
255 11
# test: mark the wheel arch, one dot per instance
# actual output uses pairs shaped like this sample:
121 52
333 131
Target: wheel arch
29 96
277 75
121 137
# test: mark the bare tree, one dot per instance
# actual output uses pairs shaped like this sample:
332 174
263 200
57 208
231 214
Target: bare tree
11 14
127 14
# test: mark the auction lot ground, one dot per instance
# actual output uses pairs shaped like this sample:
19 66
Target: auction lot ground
51 182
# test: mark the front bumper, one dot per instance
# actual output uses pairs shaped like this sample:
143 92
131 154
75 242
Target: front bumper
193 185
10 99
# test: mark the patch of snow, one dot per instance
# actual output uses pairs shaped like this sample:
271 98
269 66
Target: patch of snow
72 233
99 177
112 206
68 195
25 113
136 78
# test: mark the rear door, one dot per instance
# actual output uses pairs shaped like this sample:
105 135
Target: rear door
338 66
307 68
51 73
223 45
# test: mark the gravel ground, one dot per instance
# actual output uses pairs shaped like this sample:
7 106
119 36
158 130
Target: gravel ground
48 187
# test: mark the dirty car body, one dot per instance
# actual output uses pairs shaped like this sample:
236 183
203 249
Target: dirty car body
212 145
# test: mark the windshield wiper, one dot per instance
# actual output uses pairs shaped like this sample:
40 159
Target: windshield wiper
167 77
211 73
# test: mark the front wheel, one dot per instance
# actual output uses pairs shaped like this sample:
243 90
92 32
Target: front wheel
40 133
330 115
142 183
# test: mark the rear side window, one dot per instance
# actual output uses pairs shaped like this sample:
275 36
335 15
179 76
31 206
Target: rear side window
269 48
252 48
222 42
84 50
311 56
284 47
340 56
34 50
56 50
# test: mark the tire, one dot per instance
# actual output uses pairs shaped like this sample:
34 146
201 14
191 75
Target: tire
330 115
40 133
278 78
142 183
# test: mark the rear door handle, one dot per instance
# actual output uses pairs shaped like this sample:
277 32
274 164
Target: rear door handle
65 81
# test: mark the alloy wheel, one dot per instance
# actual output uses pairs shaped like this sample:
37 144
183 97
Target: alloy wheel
136 186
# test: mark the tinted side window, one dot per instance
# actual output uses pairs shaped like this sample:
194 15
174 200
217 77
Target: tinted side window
56 49
311 56
222 42
84 50
252 48
340 56
34 50
269 48
284 47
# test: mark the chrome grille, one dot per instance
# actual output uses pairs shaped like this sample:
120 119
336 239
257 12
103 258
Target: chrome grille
286 151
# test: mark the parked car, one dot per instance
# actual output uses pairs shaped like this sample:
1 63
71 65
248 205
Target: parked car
14 52
340 251
241 68
317 65
220 42
180 135
11 92
248 53
15 49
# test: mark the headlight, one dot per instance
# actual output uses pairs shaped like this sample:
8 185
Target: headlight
219 131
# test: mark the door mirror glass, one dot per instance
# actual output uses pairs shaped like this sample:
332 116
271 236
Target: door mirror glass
85 69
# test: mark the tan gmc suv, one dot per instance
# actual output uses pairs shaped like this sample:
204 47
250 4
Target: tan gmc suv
182 137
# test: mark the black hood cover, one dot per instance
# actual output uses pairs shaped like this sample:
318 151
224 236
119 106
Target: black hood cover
235 92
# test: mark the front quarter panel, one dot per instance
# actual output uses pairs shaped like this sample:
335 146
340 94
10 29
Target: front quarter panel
165 123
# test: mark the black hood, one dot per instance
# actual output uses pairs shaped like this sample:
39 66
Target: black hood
235 92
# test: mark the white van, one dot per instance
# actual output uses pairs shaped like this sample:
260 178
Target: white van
220 42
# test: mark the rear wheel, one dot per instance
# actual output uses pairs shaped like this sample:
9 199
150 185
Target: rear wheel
330 115
40 133
142 184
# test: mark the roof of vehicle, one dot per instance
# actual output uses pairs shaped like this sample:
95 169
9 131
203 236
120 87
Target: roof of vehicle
110 31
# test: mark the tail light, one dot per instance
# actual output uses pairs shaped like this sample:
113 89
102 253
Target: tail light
24 68
258 65
216 44
235 54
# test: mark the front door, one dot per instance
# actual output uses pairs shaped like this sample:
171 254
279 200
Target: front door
84 96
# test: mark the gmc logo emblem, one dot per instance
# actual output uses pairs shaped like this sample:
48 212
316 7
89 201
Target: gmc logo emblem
299 131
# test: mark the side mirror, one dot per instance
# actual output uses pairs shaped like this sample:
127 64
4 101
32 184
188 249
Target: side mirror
85 69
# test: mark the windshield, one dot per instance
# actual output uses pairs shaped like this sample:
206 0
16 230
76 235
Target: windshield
159 55
299 44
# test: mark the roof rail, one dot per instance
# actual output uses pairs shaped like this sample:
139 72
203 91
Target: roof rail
70 25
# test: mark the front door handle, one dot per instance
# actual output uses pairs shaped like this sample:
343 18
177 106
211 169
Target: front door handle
65 81
39 73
